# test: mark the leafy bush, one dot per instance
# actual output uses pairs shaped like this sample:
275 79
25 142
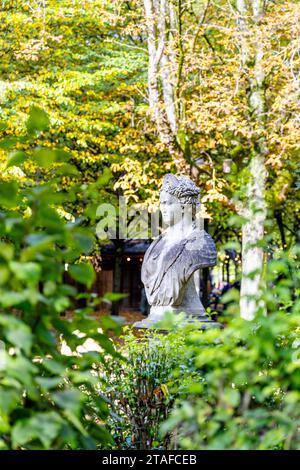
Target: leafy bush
43 399
250 395
237 388
143 386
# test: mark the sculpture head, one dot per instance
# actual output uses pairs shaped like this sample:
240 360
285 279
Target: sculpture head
179 196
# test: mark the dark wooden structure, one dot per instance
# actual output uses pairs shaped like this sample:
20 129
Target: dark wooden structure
121 262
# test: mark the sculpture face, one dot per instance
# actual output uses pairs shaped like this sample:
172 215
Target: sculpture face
174 211
170 207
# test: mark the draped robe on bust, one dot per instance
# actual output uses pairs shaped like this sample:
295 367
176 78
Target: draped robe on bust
167 269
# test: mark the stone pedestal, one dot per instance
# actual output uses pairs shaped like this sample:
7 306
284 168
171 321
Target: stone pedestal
201 321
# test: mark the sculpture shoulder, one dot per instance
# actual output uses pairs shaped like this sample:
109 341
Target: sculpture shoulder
151 247
153 243
198 237
202 248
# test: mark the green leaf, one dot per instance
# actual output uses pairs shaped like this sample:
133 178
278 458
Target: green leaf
66 169
6 251
85 240
48 217
16 159
44 335
105 343
69 400
79 377
38 244
10 298
232 396
272 438
49 382
28 272
8 142
231 295
4 423
54 367
61 304
38 120
75 421
4 275
9 194
83 272
9 399
44 157
109 323
114 296
237 221
3 126
17 332
43 427
278 266
21 369
104 178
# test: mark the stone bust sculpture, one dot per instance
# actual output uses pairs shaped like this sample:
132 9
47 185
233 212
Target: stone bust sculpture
177 254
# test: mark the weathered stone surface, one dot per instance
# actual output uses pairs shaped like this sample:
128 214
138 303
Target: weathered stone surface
176 255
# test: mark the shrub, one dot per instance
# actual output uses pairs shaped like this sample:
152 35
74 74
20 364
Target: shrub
250 395
236 388
143 386
43 403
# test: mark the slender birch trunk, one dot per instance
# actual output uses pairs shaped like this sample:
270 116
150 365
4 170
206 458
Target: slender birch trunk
251 44
3 87
160 78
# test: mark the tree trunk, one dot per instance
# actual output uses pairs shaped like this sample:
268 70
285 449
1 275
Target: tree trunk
279 220
160 79
252 234
251 45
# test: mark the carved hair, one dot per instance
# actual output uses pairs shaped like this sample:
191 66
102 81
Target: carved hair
183 188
